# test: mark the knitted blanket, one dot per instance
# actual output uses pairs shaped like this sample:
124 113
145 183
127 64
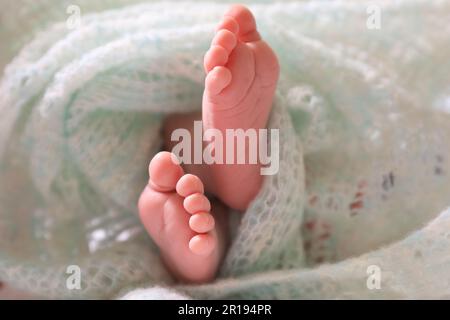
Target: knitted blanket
357 209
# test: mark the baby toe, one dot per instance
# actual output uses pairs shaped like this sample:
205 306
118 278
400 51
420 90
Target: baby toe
246 22
196 202
203 244
225 39
216 56
164 171
217 80
228 23
189 184
202 222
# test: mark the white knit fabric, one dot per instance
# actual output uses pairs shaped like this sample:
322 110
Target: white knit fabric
81 112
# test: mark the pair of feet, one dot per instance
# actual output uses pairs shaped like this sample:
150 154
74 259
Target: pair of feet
242 72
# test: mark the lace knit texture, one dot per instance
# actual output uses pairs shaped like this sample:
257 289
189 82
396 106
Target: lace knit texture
81 113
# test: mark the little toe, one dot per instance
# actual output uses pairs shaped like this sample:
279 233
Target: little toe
216 56
225 39
189 184
164 171
217 79
203 244
246 21
201 222
196 202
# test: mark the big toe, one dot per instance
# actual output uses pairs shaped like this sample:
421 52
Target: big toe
164 171
246 21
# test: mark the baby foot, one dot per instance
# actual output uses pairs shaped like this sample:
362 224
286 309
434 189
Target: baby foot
177 216
242 72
